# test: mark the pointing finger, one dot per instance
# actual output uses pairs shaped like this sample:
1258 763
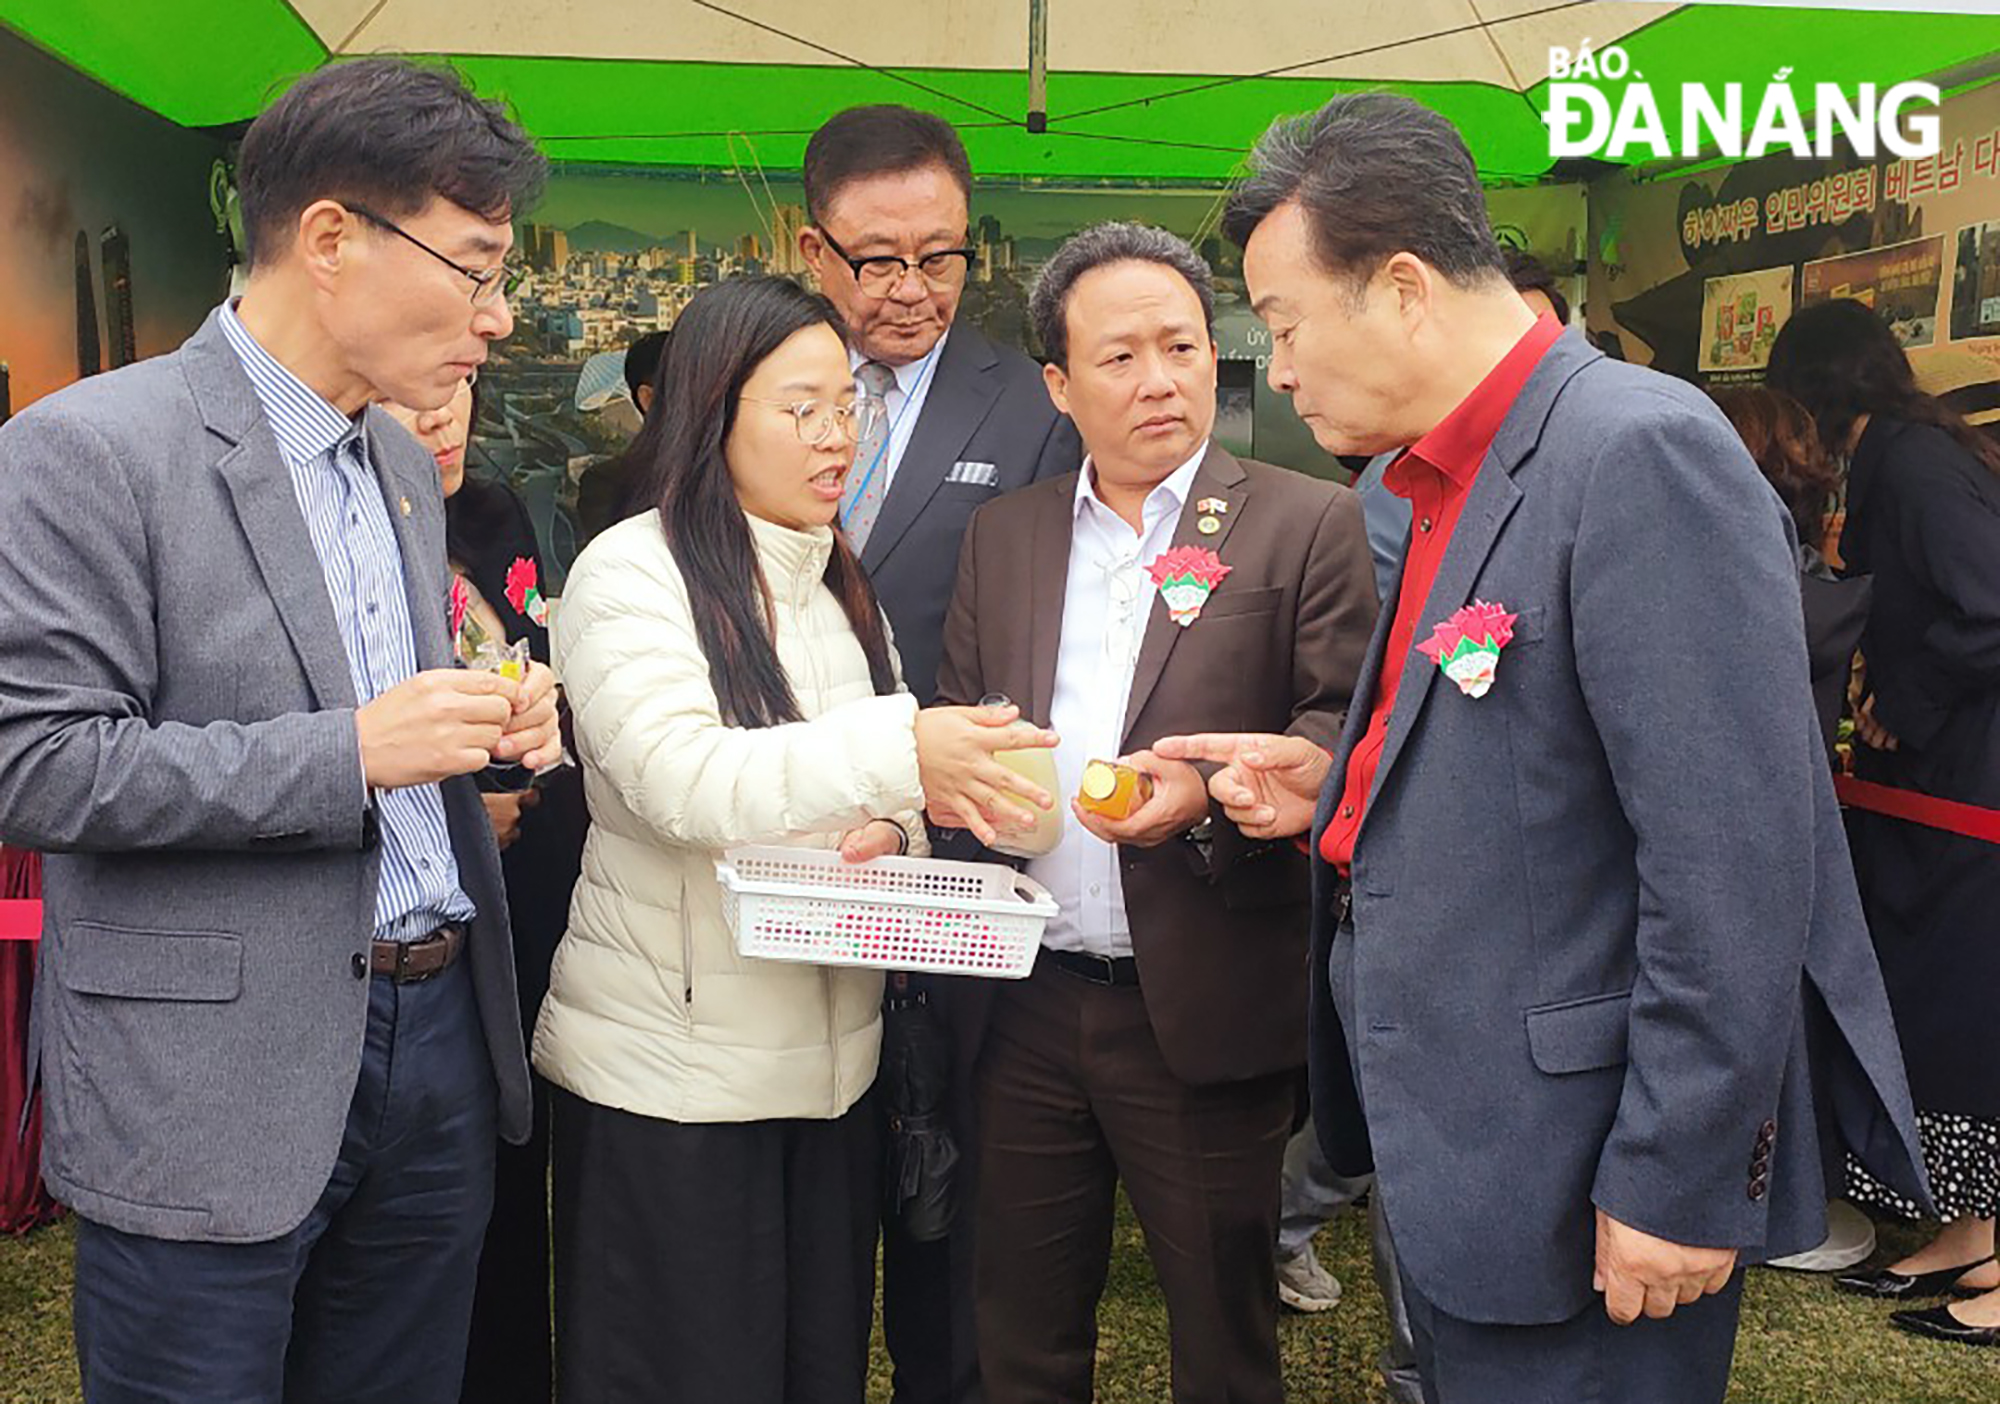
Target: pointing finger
1202 746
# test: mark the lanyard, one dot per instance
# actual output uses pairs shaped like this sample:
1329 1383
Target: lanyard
923 379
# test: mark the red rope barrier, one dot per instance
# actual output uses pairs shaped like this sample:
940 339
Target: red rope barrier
1952 816
20 895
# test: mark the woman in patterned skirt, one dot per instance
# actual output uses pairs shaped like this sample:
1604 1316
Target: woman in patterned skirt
1923 517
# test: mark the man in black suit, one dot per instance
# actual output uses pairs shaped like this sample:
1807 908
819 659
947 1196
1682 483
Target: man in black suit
888 194
888 191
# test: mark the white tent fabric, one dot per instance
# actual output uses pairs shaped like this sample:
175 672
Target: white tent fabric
1503 42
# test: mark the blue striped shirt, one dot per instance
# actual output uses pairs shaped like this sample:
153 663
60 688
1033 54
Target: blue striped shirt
348 519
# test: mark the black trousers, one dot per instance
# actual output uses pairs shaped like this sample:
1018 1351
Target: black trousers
713 1262
1075 1097
927 1288
927 1299
367 1301
1584 1360
509 1357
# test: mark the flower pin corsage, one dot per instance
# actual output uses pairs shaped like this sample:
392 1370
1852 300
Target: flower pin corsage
461 603
524 593
473 647
1467 645
1186 576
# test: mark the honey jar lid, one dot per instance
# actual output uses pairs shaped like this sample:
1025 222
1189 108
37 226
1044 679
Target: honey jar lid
1100 781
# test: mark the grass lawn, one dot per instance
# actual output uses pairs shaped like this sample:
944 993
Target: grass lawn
1801 1342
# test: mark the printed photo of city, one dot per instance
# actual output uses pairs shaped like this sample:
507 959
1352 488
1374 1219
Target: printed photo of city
614 256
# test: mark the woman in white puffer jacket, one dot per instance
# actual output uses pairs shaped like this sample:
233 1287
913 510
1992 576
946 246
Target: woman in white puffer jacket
731 681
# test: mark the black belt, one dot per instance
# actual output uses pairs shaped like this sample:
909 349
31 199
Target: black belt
1099 970
407 962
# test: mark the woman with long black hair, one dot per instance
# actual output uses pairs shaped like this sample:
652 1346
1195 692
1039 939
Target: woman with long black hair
731 681
1923 517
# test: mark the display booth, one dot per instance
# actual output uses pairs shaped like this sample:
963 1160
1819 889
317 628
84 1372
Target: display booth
678 128
678 132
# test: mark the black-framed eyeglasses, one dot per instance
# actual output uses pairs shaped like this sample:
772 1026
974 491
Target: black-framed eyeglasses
881 274
487 283
815 419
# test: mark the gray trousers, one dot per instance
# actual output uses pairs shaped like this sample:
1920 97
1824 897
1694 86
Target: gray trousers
1584 1360
1310 1195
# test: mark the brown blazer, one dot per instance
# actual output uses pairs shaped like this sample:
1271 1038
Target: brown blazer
1221 944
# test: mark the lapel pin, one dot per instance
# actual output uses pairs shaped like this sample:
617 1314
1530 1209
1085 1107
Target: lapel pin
1208 526
1186 576
524 591
403 505
1218 506
1467 645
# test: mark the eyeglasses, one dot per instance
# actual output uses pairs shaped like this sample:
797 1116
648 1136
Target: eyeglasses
814 419
487 283
881 274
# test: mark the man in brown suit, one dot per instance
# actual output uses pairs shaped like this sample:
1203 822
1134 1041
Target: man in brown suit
1158 1039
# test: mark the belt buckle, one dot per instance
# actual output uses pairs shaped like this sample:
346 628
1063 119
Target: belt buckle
1106 970
403 975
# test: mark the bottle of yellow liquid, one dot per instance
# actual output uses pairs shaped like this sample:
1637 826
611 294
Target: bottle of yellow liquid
1037 765
1113 790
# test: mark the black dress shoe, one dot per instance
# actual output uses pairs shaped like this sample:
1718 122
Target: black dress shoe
1898 1286
1940 1325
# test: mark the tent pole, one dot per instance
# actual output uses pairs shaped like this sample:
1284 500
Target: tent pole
1038 65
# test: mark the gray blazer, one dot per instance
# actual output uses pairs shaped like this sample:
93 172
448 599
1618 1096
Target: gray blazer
177 735
1597 910
987 428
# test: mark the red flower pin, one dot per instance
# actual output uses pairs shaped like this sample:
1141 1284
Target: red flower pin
523 592
461 600
1467 645
1186 577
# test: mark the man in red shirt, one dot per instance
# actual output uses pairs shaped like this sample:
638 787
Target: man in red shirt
1565 912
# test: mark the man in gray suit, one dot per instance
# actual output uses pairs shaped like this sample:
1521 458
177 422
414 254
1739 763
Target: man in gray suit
275 1022
1311 1192
1581 885
888 191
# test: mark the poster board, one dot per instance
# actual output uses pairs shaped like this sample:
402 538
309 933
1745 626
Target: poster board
1901 282
1975 282
1920 236
1740 317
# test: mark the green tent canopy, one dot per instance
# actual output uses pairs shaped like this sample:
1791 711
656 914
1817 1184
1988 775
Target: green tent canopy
1155 91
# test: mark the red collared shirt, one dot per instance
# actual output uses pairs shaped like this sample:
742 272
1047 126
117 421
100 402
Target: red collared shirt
1436 474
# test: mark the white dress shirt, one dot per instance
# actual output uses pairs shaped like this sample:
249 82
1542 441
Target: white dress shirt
1106 603
906 405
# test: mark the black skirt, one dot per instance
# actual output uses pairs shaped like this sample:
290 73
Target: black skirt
705 1262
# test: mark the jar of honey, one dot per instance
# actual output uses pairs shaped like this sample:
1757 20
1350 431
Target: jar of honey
1113 790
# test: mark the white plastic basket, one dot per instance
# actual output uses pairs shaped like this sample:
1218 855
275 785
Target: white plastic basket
806 904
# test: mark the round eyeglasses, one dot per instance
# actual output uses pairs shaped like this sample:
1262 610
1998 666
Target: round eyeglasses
815 419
